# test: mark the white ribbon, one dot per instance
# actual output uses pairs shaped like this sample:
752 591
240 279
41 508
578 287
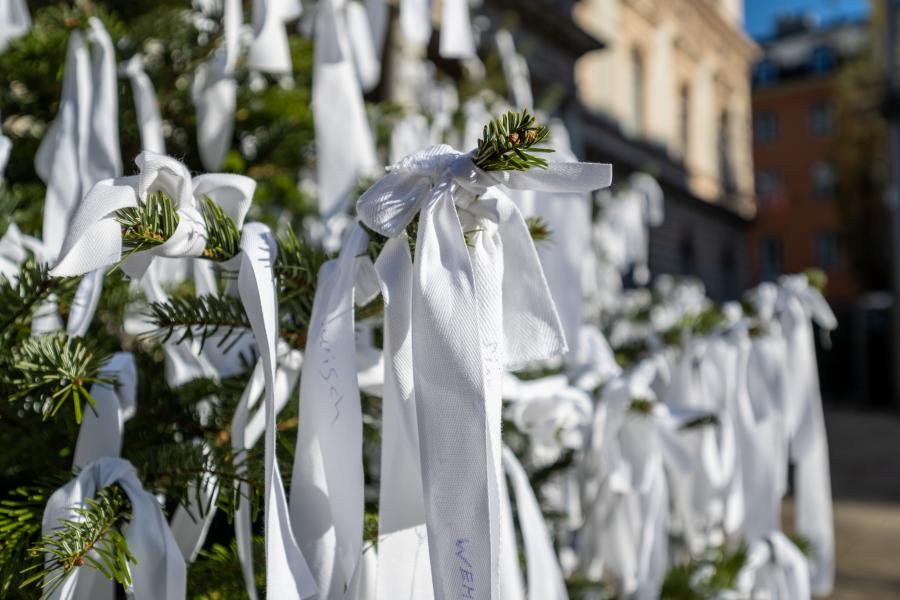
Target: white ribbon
345 148
214 92
81 146
404 567
101 429
158 572
145 105
775 569
457 359
515 69
327 482
94 240
366 55
456 30
287 573
270 52
801 303
545 578
15 21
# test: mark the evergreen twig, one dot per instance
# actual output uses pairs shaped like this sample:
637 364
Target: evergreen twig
507 142
52 369
94 539
199 317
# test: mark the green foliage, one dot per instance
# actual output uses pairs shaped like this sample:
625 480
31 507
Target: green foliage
507 142
706 577
20 525
151 223
199 317
223 238
93 539
19 298
54 369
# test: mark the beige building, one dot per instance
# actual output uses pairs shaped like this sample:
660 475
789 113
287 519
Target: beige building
676 75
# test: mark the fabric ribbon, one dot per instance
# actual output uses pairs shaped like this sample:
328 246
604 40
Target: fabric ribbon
515 69
775 568
545 578
801 304
145 105
457 360
457 41
327 483
214 92
15 21
269 52
345 148
158 571
81 146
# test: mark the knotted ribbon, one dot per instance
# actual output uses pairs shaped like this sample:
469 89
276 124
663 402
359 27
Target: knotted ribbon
158 571
468 318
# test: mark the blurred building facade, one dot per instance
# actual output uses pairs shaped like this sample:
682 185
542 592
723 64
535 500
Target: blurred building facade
794 100
671 96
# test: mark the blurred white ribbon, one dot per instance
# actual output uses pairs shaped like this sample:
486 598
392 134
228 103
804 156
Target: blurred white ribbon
345 148
801 304
457 41
463 331
269 52
214 92
775 569
15 21
158 572
145 105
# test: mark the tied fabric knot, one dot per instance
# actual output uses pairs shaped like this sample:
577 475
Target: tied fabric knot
454 318
94 240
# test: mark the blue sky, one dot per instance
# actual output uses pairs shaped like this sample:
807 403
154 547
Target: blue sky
760 14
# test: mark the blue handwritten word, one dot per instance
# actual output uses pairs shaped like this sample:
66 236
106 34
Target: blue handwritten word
466 574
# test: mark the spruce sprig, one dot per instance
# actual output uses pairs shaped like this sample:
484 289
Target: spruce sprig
32 286
223 238
54 369
20 524
199 317
94 539
508 141
151 223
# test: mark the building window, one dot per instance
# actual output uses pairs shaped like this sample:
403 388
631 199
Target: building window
637 89
765 127
765 72
820 115
685 119
823 181
772 257
827 250
726 164
769 187
822 60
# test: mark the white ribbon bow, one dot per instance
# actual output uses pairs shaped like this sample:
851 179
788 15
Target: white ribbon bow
462 332
94 240
158 572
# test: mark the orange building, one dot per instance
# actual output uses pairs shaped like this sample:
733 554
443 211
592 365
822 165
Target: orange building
797 224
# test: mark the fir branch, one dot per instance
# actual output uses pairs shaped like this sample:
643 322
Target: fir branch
32 287
223 238
53 369
539 229
506 142
199 317
151 223
20 524
94 539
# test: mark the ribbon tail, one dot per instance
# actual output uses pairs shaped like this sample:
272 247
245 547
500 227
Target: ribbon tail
146 106
450 406
545 578
456 30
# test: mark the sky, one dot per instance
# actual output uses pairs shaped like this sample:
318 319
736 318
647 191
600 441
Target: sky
760 14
